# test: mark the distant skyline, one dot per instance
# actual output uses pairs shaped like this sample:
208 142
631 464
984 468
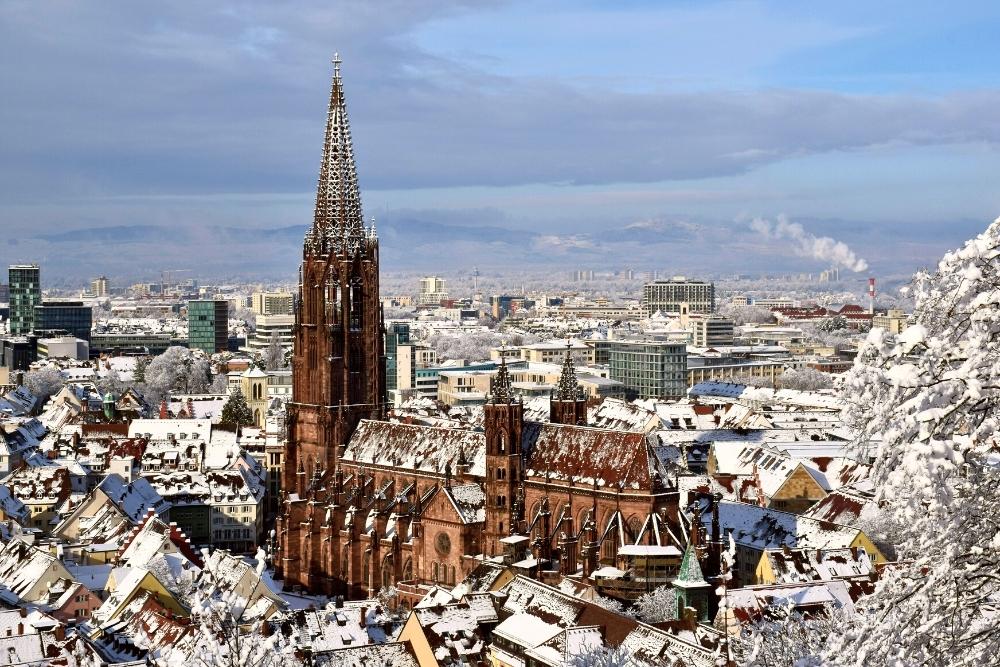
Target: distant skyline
582 134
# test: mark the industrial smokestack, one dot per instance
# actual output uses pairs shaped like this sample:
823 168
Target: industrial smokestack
871 296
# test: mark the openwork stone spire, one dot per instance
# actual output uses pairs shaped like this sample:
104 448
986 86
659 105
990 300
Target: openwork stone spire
338 225
502 391
569 388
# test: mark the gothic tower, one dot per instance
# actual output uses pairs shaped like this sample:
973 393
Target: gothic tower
503 423
568 405
338 365
338 371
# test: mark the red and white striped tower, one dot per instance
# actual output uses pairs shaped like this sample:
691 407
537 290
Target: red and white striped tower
871 296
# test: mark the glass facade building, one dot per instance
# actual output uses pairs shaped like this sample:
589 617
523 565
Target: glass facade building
649 369
396 334
208 325
25 293
72 317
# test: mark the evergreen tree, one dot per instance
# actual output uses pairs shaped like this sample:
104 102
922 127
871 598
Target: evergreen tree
236 411
139 374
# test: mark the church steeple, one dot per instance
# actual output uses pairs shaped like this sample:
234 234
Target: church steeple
569 388
568 405
338 225
502 389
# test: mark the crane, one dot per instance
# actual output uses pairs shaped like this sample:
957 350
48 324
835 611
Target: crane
164 275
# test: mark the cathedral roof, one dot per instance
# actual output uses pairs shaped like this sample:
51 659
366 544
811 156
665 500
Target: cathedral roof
610 458
424 448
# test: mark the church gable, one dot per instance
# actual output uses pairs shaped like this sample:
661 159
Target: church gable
611 458
423 448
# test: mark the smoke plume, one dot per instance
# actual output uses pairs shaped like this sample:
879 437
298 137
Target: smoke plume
806 245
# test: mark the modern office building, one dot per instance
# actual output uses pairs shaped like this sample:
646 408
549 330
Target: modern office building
25 294
208 325
432 291
710 330
269 326
273 303
667 296
57 317
99 286
649 369
396 334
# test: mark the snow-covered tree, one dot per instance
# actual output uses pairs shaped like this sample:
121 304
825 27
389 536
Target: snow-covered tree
656 606
831 324
605 656
177 369
236 410
274 355
217 640
44 382
783 637
930 397
805 379
112 382
746 314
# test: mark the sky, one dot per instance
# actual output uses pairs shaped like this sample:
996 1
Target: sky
689 137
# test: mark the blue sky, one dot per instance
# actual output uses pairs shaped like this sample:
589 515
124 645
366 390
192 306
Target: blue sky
531 131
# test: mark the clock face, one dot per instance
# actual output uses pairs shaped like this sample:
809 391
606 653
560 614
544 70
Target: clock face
443 544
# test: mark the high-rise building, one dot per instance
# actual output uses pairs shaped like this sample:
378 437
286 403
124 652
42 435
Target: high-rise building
273 303
649 369
668 295
4 293
396 334
432 291
99 286
25 294
54 317
208 325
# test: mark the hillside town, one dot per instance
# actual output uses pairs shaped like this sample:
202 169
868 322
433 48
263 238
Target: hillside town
680 471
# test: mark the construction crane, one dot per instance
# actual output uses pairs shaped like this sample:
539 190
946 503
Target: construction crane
165 275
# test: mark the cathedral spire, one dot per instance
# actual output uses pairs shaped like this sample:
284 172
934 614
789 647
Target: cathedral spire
338 225
502 391
569 389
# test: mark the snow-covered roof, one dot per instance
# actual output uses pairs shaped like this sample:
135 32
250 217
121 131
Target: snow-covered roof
422 448
469 501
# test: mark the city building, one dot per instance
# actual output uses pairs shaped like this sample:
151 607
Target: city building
503 305
64 317
208 325
666 296
432 291
25 293
396 334
268 326
63 347
710 330
649 369
894 321
272 303
99 286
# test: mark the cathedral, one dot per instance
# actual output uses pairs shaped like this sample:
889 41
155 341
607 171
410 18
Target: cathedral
369 502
